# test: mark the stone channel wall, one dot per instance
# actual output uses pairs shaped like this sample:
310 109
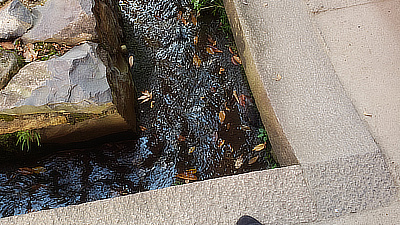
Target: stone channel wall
87 91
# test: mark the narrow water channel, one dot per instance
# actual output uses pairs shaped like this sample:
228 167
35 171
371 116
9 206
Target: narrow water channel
200 122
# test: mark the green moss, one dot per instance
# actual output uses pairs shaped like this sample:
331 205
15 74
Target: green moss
8 142
6 117
74 118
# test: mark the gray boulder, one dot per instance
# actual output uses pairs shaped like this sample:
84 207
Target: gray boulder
8 67
15 20
63 21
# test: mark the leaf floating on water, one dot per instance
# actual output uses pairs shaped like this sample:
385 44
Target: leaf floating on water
214 49
242 100
222 116
228 126
196 40
221 143
181 138
187 176
236 96
38 169
221 70
239 162
146 96
245 128
259 147
210 51
152 104
191 149
142 128
196 60
253 160
181 18
131 61
25 171
237 59
191 171
234 62
231 51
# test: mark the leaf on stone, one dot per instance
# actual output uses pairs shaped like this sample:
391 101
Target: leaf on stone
191 149
7 45
29 52
196 60
259 147
146 96
142 128
131 61
239 162
253 160
222 116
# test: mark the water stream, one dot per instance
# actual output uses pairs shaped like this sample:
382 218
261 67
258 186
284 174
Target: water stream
184 131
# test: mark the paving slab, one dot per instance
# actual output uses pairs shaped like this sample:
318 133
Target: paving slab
278 196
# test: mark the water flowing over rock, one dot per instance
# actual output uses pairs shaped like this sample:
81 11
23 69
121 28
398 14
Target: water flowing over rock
63 21
8 67
15 20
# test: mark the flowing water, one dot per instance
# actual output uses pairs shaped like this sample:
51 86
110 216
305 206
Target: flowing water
200 123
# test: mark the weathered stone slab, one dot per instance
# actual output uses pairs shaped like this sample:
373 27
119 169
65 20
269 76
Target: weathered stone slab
15 20
8 67
63 21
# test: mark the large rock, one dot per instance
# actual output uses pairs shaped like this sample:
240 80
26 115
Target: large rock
63 21
63 95
8 67
15 20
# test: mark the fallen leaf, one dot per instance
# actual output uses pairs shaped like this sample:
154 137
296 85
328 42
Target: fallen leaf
187 176
131 61
196 60
214 49
7 45
29 52
194 19
236 96
367 114
210 51
146 96
191 171
237 59
38 169
191 149
245 128
239 162
228 126
142 128
226 107
211 40
221 70
233 61
25 171
152 104
231 51
242 100
221 143
253 160
196 40
222 116
181 138
259 147
278 77
180 15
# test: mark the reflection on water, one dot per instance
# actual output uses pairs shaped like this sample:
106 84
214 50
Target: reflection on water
183 129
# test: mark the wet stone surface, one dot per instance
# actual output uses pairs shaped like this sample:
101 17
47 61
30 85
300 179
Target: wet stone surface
200 121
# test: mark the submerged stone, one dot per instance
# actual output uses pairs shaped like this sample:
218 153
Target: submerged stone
15 20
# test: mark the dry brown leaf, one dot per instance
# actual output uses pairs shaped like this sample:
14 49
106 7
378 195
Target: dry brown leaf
239 162
259 147
228 126
231 51
221 143
142 128
38 169
367 114
146 96
253 160
7 45
131 61
187 176
214 49
221 70
237 59
152 104
222 116
196 60
210 51
181 138
242 100
245 128
191 149
278 77
236 96
29 52
234 62
196 40
25 171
